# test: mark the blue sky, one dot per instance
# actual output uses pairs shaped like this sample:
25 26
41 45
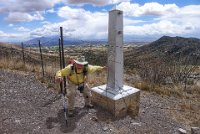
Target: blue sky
22 20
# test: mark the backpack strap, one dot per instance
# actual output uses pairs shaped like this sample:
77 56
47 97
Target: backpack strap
85 70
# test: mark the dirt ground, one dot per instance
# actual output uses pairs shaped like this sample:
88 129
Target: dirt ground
27 106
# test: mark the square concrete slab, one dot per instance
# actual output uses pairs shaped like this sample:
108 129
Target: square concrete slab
118 102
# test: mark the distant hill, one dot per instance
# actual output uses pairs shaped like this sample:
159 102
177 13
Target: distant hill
174 46
53 40
185 50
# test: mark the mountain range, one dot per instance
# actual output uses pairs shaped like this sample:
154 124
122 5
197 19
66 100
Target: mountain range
166 49
54 40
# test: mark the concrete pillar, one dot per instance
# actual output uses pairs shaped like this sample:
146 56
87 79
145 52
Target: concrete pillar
115 50
117 98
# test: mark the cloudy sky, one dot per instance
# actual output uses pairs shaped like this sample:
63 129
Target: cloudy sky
88 19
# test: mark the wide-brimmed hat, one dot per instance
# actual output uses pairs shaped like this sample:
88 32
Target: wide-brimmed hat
81 60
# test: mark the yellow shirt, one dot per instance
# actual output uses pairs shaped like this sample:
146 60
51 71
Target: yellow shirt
77 78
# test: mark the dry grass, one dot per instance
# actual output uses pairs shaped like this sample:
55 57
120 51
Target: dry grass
15 64
187 112
196 89
98 78
52 65
9 63
159 89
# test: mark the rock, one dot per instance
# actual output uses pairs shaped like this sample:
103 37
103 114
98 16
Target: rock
195 130
182 131
105 128
94 118
136 123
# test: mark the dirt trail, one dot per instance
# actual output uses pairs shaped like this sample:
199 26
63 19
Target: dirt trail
26 106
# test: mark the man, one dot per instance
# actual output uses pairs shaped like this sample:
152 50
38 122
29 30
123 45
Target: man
76 73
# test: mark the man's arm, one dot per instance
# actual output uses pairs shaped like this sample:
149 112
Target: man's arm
61 73
92 68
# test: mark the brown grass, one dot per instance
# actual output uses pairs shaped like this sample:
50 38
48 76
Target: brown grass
161 90
52 65
15 64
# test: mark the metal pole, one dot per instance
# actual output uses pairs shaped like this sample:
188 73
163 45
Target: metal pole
64 79
60 56
41 59
23 53
63 57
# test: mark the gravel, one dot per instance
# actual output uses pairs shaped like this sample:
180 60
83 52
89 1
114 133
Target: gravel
27 106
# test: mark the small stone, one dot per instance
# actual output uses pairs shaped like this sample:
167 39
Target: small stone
195 130
182 131
94 118
136 123
92 111
105 128
17 121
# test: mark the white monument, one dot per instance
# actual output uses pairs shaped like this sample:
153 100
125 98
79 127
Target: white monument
116 97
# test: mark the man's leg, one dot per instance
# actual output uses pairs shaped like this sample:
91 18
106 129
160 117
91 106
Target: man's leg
87 96
71 93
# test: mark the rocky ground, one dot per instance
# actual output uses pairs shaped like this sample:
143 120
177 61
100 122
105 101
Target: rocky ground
27 106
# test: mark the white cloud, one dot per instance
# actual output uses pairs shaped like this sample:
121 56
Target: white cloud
70 13
152 8
19 17
96 2
2 34
30 6
20 10
83 24
78 23
10 25
51 11
22 29
26 6
159 28
6 35
46 22
167 19
26 10
14 36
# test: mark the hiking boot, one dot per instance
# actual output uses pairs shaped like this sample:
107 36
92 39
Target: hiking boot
89 106
71 113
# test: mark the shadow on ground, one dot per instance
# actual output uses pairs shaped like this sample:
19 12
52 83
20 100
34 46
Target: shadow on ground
71 121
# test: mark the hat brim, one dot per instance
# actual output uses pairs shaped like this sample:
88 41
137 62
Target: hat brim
81 63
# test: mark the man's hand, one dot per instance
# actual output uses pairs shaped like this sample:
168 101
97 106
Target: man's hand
58 79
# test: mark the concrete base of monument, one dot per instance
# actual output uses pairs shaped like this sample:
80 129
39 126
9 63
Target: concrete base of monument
119 103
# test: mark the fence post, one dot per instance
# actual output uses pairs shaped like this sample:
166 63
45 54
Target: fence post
23 53
63 57
41 59
62 65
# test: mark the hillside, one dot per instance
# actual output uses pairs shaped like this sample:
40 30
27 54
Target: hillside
163 108
166 49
